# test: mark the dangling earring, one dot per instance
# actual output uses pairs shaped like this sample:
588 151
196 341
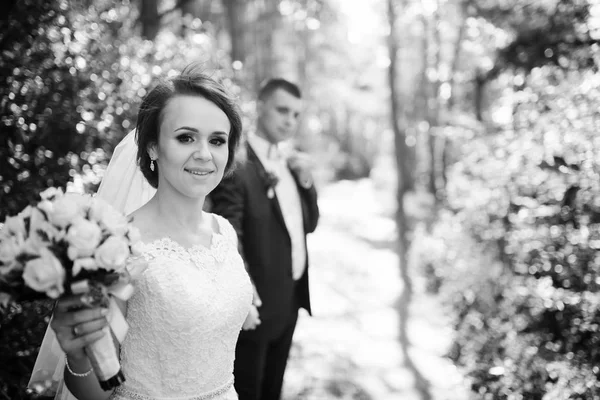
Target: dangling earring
152 165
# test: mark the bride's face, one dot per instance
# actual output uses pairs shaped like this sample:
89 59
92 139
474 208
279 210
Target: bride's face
192 148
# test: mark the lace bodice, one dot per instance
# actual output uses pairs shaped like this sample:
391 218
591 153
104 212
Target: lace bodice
184 320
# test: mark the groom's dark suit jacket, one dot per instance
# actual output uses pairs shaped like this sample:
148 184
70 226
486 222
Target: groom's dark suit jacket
264 241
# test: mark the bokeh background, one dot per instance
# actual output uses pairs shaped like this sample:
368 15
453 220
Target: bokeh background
457 153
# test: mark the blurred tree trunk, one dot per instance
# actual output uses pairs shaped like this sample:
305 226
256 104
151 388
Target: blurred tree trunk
433 102
150 19
451 100
304 57
205 10
265 25
462 27
480 81
401 148
235 25
426 97
404 182
190 9
424 94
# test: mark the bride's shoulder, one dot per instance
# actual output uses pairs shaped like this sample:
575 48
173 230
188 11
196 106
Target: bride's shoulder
141 213
223 226
145 221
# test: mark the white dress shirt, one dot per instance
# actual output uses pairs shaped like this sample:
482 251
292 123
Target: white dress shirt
274 161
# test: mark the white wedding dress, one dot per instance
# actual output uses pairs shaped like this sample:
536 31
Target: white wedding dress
184 321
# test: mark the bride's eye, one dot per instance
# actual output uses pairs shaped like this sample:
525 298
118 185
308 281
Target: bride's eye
219 141
185 138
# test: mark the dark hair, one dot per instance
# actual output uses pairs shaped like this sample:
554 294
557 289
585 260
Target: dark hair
192 82
271 85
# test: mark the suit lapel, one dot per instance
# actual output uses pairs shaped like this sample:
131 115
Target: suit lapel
262 174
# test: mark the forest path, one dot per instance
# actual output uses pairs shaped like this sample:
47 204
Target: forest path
350 348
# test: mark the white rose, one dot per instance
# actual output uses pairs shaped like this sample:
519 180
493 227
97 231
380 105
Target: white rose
134 235
15 225
136 267
51 193
34 244
83 237
46 206
26 212
7 269
41 233
84 201
137 249
113 221
113 253
10 248
36 220
45 274
65 210
89 264
97 208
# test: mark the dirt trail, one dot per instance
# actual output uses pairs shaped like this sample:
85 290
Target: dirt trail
351 348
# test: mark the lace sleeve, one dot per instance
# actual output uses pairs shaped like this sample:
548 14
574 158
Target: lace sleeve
227 230
136 265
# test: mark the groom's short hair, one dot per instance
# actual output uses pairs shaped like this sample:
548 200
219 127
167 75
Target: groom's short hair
193 82
271 85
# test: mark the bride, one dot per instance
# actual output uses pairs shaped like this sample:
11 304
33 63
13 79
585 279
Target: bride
192 300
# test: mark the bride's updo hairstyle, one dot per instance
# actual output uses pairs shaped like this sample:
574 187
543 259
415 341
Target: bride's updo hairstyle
191 82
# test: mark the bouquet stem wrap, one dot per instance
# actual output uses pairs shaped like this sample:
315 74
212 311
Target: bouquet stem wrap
103 353
105 361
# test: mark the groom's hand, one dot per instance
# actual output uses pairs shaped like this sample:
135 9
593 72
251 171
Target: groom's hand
252 320
302 165
256 301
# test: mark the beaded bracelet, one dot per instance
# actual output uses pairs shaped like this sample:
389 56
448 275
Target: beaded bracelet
75 373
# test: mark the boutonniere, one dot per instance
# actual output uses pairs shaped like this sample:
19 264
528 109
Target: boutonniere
271 181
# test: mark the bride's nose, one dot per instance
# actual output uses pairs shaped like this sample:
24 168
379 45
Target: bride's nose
202 151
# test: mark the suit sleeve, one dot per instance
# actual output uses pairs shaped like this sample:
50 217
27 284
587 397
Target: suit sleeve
310 199
228 201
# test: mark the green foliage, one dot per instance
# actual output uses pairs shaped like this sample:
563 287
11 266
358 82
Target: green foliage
70 90
37 94
522 242
21 331
544 32
73 74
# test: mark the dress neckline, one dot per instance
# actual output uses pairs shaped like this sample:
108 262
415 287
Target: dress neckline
169 242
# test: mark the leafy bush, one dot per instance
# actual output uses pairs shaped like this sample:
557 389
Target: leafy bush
517 257
73 74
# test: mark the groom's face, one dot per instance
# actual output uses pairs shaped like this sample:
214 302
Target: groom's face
278 116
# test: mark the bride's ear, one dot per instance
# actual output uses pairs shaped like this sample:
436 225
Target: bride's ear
152 151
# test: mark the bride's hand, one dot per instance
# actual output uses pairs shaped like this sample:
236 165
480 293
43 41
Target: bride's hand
252 320
76 325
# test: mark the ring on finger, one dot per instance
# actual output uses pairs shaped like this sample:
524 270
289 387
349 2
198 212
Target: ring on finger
75 331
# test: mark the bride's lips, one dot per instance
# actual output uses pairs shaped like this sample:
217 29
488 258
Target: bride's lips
198 171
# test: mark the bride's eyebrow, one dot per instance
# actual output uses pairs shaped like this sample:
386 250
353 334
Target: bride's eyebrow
187 128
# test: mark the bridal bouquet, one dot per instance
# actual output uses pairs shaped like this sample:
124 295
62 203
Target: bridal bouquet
72 244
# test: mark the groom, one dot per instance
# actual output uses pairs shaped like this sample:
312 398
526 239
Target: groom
272 203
